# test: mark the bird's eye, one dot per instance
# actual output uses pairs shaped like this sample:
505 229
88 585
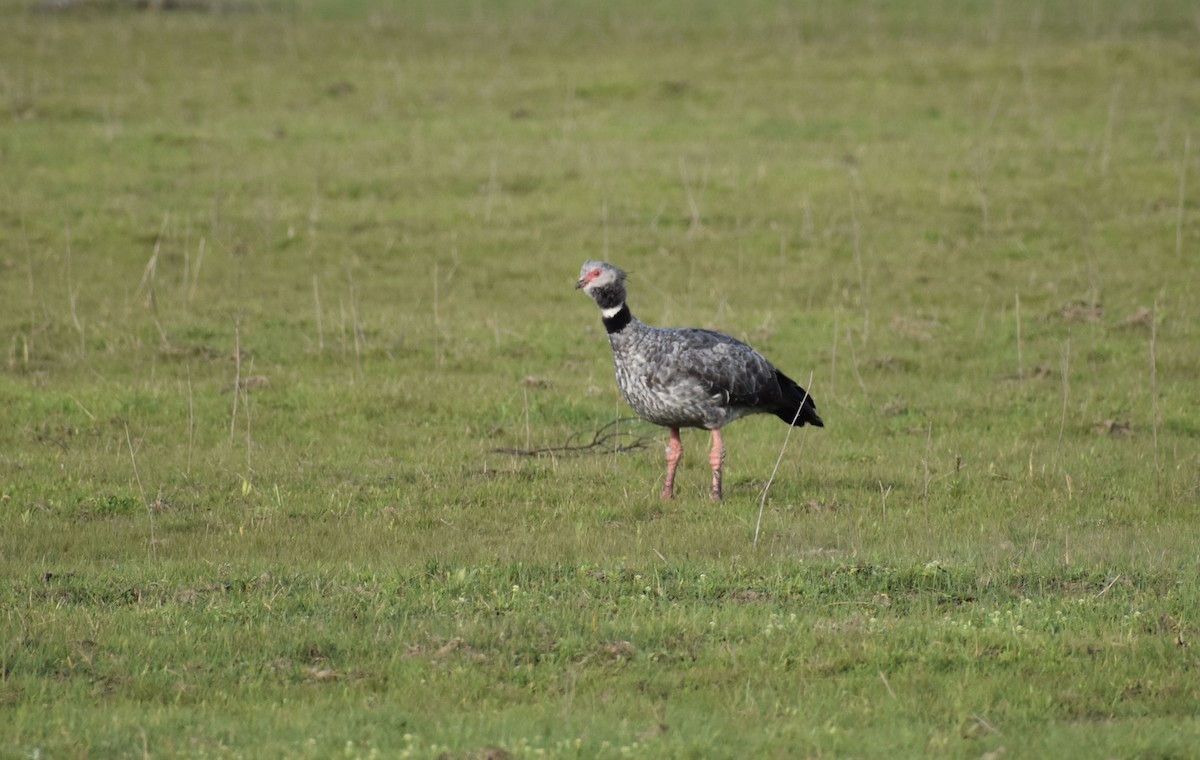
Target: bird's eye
594 273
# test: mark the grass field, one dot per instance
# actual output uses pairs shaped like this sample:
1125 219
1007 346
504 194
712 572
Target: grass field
279 285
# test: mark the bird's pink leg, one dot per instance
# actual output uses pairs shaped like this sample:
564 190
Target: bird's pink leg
717 459
674 454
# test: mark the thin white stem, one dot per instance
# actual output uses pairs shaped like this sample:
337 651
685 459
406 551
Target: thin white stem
1066 386
1154 422
191 421
528 432
437 321
762 501
237 374
355 324
320 324
138 478
925 467
1187 144
71 299
1020 359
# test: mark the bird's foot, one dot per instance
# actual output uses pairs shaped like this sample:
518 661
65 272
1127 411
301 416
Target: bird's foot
667 494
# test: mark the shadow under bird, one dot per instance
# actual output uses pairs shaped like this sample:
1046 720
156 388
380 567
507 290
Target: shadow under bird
693 378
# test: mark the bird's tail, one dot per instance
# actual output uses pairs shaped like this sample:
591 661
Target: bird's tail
797 407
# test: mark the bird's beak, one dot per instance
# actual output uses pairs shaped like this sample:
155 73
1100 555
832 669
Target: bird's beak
581 282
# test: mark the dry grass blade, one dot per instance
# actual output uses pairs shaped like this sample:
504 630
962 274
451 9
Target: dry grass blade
762 502
142 491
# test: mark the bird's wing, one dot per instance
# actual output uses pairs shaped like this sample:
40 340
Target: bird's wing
725 365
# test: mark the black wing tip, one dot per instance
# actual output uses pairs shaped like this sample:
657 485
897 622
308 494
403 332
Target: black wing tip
798 408
807 416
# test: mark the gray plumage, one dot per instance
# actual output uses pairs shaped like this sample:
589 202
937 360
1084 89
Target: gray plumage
689 377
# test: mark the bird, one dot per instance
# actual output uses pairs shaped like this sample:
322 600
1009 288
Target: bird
689 377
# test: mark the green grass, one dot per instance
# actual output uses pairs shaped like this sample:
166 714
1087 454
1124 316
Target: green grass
973 225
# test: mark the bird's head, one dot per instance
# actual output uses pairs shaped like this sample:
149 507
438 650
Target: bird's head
597 276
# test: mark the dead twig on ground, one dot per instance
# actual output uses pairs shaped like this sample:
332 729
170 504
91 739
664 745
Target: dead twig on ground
609 439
